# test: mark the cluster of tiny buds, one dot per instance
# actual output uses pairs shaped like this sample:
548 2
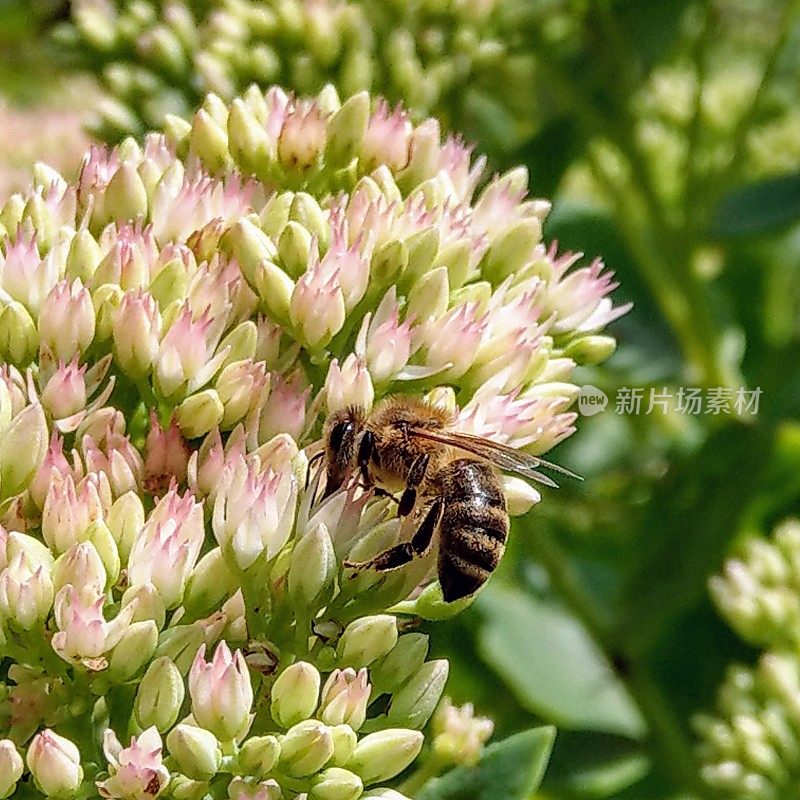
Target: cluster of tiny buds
156 61
310 741
758 592
173 326
750 745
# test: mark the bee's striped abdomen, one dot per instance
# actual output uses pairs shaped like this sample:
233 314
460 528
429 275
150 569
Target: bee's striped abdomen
473 528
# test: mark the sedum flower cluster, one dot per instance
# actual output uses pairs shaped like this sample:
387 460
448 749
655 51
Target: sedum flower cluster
456 58
751 746
175 615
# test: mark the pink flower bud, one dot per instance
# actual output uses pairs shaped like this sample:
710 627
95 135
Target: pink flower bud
579 299
345 696
130 258
253 512
350 263
65 392
387 342
81 566
184 203
136 770
54 469
451 342
166 456
268 347
537 423
68 511
317 307
348 385
97 169
206 466
55 764
221 692
67 320
117 458
24 274
387 139
137 331
166 549
83 632
26 593
285 408
186 359
302 137
454 166
11 767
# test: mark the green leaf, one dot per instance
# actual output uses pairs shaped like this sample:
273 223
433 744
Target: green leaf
760 207
508 770
593 765
552 665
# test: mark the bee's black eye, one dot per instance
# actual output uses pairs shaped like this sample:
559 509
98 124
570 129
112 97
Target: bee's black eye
338 433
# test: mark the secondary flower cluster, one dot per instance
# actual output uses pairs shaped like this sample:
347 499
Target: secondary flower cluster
751 747
454 59
172 327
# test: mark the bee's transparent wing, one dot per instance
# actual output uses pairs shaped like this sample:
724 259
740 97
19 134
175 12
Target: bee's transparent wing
502 456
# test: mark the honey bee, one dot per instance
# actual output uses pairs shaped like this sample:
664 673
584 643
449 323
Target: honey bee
410 447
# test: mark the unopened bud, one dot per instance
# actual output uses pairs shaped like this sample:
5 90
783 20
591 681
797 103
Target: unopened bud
295 694
239 789
403 661
125 519
414 703
11 766
258 755
210 584
306 748
345 698
588 350
159 696
520 495
81 566
512 249
312 569
346 129
200 413
18 337
367 639
195 750
209 141
345 740
134 650
294 245
125 196
55 764
336 783
384 754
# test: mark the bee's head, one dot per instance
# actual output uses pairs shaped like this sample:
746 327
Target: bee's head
341 434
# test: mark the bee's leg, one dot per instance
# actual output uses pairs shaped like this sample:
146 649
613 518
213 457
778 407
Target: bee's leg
403 553
311 462
366 448
415 477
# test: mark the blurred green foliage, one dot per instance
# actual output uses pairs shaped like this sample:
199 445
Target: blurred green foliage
668 132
